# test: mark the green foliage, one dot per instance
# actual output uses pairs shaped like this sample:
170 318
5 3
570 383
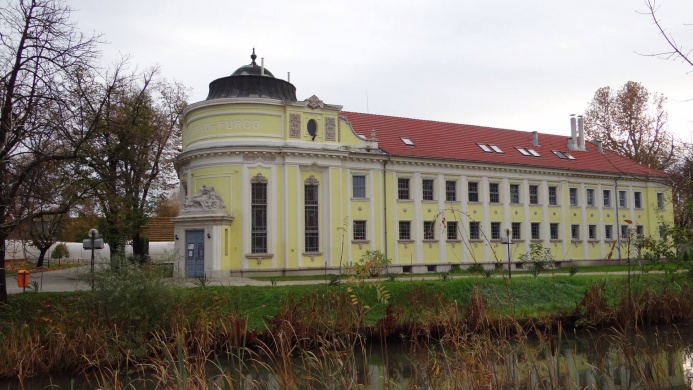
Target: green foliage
60 251
131 295
676 246
455 269
573 270
371 264
538 259
476 269
391 277
444 276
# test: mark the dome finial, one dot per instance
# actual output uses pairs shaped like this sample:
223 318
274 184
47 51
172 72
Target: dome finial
253 57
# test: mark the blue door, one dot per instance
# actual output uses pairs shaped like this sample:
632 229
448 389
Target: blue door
194 253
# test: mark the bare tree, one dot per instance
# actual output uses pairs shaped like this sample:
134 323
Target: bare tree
633 123
46 112
132 157
677 49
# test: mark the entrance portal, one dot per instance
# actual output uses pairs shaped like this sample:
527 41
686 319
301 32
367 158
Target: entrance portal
194 253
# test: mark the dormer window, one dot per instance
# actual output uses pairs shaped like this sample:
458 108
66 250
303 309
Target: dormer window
485 148
496 149
407 141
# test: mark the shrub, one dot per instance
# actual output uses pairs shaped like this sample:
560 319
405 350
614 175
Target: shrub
538 259
371 264
60 251
476 269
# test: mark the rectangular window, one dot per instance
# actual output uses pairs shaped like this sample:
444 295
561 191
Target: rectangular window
608 232
427 189
533 194
554 231
514 193
535 231
405 230
429 232
640 231
312 228
637 199
592 232
607 198
258 217
495 231
625 232
516 226
473 191
575 232
552 196
590 197
573 197
358 185
660 200
402 188
452 230
450 191
359 230
474 230
494 193
622 199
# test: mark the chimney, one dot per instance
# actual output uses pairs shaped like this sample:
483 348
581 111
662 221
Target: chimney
572 145
600 148
288 76
262 66
581 134
535 138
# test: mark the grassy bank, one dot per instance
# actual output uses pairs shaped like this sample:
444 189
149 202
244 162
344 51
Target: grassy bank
133 317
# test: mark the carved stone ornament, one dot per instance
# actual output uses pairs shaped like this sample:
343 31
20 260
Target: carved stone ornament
259 157
330 130
312 181
315 102
258 179
206 199
295 125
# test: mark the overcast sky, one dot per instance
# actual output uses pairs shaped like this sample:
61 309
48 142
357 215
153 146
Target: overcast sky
524 65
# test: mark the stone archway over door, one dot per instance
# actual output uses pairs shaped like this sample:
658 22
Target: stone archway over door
194 253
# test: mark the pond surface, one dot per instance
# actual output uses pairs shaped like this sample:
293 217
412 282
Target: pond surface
660 358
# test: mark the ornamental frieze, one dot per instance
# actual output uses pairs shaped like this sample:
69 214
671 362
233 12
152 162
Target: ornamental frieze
259 157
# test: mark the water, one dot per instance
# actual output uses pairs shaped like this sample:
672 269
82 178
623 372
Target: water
657 359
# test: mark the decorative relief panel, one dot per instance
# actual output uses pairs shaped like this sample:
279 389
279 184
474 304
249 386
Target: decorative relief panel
258 179
259 157
330 130
312 181
206 199
314 102
294 125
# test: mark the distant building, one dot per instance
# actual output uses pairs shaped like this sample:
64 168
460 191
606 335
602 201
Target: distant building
273 184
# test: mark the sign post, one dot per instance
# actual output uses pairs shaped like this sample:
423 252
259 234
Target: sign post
92 243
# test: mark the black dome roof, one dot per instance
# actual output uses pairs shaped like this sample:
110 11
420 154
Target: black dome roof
250 81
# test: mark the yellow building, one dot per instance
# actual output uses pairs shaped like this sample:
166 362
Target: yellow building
276 185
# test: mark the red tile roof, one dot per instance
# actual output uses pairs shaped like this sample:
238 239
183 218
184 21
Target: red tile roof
451 141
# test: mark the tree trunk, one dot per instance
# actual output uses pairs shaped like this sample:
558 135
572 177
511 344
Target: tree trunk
42 255
3 285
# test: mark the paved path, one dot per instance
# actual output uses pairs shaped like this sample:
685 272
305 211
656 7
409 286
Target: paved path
71 279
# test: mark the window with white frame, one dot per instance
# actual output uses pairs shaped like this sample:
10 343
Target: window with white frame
533 194
637 199
450 191
517 230
590 197
405 230
514 193
553 197
622 199
429 232
660 200
452 230
553 230
359 230
575 232
474 233
607 198
573 195
592 232
312 219
534 227
403 188
473 191
608 232
427 189
495 230
258 214
493 193
358 186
